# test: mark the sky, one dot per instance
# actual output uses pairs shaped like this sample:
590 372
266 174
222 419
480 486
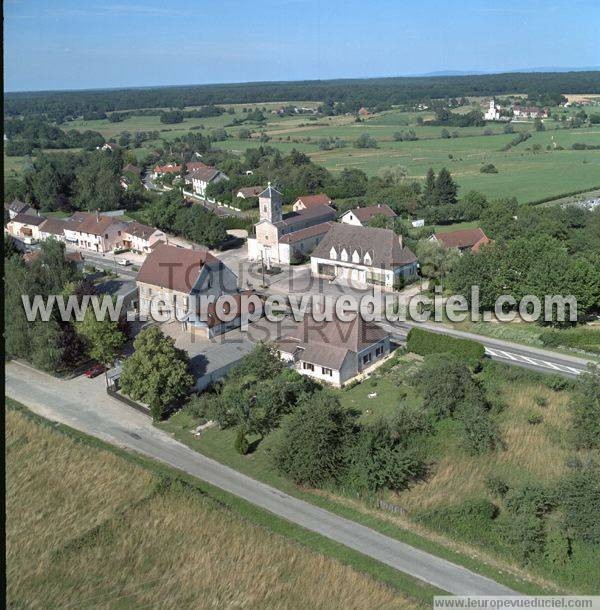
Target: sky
68 44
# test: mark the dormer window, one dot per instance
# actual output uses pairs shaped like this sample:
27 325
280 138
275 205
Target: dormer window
344 255
355 257
367 259
332 254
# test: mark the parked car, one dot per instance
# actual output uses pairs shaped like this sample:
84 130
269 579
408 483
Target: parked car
124 262
95 370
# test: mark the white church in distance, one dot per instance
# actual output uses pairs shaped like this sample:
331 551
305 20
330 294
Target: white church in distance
280 239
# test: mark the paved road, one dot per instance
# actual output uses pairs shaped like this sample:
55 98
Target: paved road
541 360
82 403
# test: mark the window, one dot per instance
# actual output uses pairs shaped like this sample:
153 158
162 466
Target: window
106 236
355 257
326 371
367 358
332 254
379 351
344 255
307 366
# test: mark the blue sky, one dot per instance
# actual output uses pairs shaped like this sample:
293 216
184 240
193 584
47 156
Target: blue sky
67 44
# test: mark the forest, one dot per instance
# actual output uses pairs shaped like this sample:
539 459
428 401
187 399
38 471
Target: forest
352 93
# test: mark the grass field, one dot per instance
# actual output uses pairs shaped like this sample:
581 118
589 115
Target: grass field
87 528
532 453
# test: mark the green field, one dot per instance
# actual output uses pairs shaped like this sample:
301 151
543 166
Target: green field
523 173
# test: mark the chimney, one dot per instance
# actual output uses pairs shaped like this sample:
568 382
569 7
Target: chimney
400 241
97 215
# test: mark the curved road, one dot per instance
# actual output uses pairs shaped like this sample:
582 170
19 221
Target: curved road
83 404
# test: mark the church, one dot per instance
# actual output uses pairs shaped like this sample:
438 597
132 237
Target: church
283 239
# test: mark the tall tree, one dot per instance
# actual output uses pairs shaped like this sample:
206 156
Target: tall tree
445 188
157 373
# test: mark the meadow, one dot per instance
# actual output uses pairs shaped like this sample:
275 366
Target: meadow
87 528
532 453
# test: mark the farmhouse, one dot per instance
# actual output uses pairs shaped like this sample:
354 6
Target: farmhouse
19 207
94 232
334 352
310 201
360 217
202 177
247 192
163 170
170 276
140 237
529 112
53 228
466 239
280 239
26 227
364 255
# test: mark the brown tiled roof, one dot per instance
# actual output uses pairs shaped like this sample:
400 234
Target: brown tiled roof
381 209
55 226
296 236
138 229
74 257
465 238
250 191
96 224
383 245
167 169
206 174
174 268
312 200
194 165
29 219
328 343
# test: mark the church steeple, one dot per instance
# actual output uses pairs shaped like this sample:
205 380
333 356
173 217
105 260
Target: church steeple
269 203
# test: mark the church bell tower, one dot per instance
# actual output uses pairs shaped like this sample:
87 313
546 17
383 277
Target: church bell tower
269 203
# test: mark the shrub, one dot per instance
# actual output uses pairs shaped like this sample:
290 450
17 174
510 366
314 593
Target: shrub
535 418
424 342
540 401
241 442
488 168
556 383
497 486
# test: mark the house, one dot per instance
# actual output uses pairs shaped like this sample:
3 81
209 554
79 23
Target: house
26 227
247 192
109 146
309 201
202 177
466 239
363 111
334 352
163 170
95 232
53 228
140 237
280 239
360 217
169 278
364 255
19 207
493 112
529 112
192 166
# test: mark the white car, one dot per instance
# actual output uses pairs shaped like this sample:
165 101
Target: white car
124 262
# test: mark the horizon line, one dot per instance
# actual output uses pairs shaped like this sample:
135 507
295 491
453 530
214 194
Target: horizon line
433 74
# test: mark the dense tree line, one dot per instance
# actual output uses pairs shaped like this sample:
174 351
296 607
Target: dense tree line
351 92
31 133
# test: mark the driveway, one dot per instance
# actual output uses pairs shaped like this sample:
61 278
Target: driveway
82 404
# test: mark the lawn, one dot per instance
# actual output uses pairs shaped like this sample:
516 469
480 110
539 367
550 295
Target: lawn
119 536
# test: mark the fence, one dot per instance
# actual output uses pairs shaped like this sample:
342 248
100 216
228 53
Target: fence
128 401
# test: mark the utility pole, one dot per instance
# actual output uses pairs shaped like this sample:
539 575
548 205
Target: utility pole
262 266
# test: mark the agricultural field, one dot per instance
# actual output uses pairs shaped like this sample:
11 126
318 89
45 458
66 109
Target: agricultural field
88 528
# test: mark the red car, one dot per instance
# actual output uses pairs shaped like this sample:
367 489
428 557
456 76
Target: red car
96 370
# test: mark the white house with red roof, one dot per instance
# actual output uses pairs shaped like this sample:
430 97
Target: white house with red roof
360 217
310 201
463 240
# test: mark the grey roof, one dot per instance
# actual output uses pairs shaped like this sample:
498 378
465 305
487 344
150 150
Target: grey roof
314 215
206 174
383 245
29 219
365 214
18 206
328 343
270 192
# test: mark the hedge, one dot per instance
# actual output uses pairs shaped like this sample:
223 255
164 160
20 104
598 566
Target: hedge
424 342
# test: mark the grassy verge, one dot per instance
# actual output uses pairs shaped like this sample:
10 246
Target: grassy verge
404 591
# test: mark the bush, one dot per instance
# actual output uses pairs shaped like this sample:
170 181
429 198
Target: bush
497 486
241 442
540 401
424 342
488 168
535 418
